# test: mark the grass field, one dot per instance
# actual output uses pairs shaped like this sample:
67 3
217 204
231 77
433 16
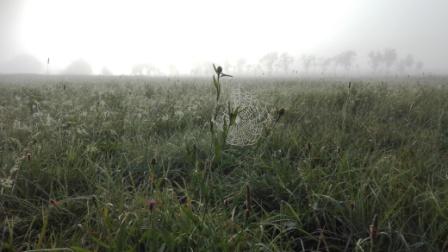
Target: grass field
128 164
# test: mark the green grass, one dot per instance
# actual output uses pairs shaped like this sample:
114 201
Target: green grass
81 157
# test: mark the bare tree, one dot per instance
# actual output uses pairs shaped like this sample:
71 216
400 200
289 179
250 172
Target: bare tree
172 70
375 59
406 63
419 66
202 69
389 58
308 61
145 69
138 69
106 71
325 63
284 62
409 61
79 67
267 62
345 59
23 63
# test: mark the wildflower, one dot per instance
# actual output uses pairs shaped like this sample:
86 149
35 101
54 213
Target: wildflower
183 200
151 204
54 203
352 205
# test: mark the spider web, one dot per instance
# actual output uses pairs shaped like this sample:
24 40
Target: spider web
250 122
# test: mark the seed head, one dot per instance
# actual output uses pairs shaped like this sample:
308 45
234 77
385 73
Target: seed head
151 204
219 70
247 214
183 200
54 203
280 113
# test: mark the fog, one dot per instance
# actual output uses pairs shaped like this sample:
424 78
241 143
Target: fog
10 12
177 37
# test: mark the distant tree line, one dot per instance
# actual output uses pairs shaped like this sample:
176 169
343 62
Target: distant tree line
388 59
385 61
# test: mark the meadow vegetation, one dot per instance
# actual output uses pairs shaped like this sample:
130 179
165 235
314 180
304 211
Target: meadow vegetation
128 164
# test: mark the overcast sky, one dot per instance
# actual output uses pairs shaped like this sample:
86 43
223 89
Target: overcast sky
118 34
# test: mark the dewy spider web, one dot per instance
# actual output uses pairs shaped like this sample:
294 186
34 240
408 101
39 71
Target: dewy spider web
251 120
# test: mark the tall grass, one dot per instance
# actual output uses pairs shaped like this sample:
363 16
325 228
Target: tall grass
125 164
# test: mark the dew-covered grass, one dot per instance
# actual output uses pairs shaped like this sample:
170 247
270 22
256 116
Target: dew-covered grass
127 164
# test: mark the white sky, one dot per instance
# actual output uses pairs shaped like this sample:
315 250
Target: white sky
118 34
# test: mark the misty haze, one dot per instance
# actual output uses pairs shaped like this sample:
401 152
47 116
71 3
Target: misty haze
223 125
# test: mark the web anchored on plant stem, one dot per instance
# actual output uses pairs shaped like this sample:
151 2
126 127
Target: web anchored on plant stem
250 121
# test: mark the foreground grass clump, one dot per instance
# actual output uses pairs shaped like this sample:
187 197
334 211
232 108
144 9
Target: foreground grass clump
124 164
